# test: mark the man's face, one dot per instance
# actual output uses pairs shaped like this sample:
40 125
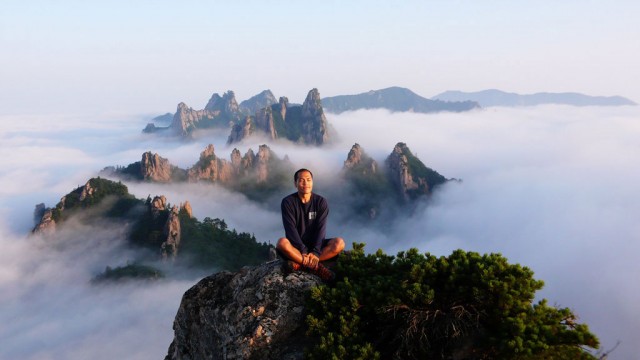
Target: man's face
304 184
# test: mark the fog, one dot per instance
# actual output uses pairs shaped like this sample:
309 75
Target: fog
550 187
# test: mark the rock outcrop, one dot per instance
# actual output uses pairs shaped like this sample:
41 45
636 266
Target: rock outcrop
185 120
260 115
265 122
251 166
83 197
373 190
225 104
172 235
158 204
45 225
241 131
304 124
358 161
409 175
261 163
256 313
210 168
186 207
220 111
283 103
314 123
155 168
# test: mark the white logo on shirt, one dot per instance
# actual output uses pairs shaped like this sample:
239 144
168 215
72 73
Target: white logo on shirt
312 215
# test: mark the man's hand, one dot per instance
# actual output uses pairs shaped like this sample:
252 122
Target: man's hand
312 260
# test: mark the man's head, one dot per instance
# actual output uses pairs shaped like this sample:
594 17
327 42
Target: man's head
303 179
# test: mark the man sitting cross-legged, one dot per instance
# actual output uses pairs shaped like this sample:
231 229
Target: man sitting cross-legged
304 216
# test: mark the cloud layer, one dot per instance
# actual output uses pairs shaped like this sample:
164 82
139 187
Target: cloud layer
551 188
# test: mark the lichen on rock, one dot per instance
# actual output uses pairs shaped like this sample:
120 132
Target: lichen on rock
256 313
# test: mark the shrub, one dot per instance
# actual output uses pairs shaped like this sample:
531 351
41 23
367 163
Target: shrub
415 306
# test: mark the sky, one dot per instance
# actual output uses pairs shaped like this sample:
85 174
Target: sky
147 56
553 188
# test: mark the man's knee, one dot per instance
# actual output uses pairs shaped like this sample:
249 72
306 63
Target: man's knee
282 243
338 244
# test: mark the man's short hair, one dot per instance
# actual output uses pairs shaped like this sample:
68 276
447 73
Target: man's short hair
295 176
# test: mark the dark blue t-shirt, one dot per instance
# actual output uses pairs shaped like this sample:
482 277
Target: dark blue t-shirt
305 225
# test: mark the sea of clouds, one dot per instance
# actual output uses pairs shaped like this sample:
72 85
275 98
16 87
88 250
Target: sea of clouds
550 187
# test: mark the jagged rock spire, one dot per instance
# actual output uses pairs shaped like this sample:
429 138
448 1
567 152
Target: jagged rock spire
314 123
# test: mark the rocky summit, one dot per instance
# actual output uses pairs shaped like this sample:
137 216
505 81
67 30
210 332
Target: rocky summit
410 176
255 313
304 124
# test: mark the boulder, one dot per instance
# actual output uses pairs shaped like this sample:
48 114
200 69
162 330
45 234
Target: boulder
255 313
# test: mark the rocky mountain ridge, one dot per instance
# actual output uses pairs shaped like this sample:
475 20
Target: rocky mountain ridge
258 175
399 182
153 226
94 192
260 115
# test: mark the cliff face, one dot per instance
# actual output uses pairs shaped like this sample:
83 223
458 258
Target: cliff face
260 115
399 170
265 122
409 175
256 313
373 189
172 235
155 168
45 225
304 124
360 162
210 168
184 121
241 131
314 123
253 166
220 111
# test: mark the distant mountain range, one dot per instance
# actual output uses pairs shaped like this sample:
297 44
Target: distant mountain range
495 97
394 99
264 116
